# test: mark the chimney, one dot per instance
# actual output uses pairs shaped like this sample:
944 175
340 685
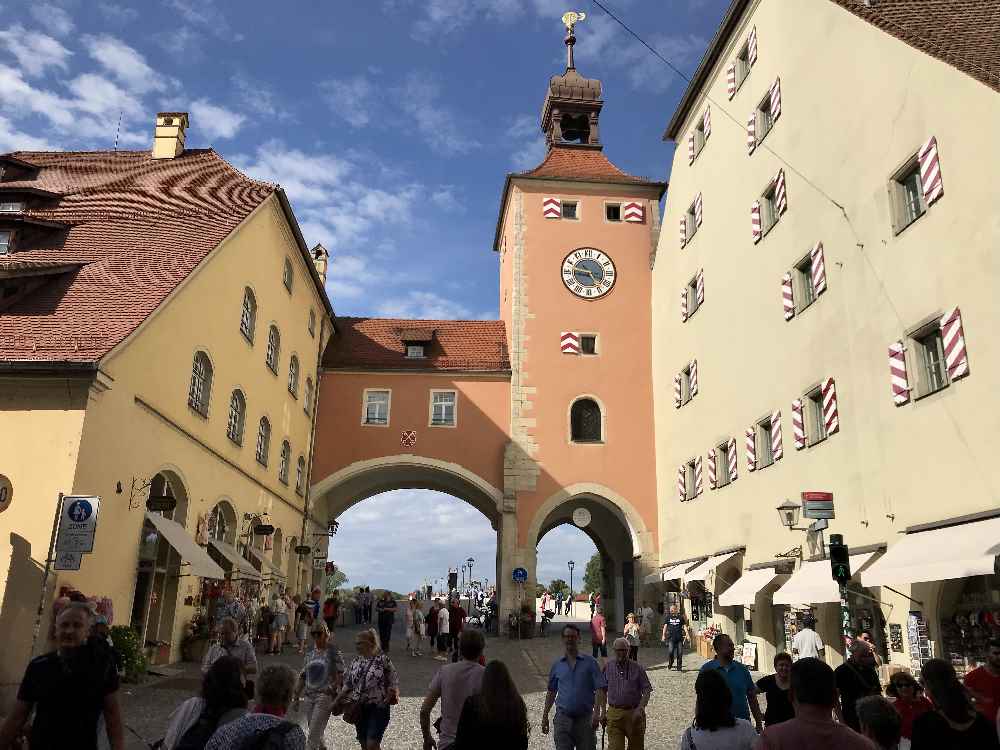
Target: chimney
321 257
169 139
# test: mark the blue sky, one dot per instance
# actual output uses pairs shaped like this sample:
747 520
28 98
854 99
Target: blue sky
390 123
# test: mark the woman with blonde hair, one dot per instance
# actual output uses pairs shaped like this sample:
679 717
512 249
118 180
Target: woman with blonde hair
413 618
372 681
631 633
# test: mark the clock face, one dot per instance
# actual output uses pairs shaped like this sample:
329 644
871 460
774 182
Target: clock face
588 273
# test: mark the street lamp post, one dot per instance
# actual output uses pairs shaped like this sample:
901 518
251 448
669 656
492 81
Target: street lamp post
463 576
571 565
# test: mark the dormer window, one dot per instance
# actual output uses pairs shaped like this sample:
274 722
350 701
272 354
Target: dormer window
414 351
415 341
6 240
8 207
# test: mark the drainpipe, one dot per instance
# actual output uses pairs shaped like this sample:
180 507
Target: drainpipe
312 443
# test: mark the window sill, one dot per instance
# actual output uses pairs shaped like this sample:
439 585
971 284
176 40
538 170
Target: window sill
197 411
761 467
262 463
298 492
925 394
234 441
374 424
248 339
586 442
898 230
817 441
283 481
764 231
803 308
274 370
294 395
443 424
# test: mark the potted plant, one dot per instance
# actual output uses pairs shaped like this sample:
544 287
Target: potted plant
197 636
129 649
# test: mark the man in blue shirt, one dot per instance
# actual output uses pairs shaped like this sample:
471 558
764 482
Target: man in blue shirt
579 691
741 684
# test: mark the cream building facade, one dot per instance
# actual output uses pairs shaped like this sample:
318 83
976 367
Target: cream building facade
832 214
171 350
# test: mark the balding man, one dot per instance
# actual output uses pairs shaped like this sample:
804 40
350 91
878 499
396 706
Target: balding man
856 678
628 693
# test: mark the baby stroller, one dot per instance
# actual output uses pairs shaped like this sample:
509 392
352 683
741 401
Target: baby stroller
547 616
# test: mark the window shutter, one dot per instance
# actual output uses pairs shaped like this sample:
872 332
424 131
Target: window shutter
731 457
552 208
691 148
897 374
633 212
700 286
755 222
787 296
798 430
731 80
780 200
697 210
818 269
697 476
684 304
681 484
930 171
751 449
776 99
683 230
694 377
751 132
752 46
706 122
711 470
777 450
569 342
830 414
955 356
677 391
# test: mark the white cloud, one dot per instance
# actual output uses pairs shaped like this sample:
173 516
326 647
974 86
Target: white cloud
423 305
34 52
439 127
182 42
53 17
214 121
205 13
351 99
257 97
528 142
125 64
117 14
447 199
11 139
559 546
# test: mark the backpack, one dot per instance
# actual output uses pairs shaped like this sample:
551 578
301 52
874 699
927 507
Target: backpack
270 739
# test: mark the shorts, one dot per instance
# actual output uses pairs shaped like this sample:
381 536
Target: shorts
280 622
302 630
373 723
600 648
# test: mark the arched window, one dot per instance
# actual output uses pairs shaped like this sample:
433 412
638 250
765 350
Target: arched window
273 348
585 421
237 416
307 406
263 441
293 376
312 323
300 475
201 383
286 456
221 522
286 276
248 318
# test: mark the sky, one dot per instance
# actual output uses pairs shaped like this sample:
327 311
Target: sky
389 123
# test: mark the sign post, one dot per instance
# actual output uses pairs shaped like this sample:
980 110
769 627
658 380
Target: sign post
840 568
45 575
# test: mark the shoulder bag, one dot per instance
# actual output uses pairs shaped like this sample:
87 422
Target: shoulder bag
350 704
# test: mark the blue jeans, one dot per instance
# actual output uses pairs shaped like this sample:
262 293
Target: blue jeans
573 733
675 648
373 723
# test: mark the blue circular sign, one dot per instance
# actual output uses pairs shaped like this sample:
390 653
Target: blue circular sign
80 510
520 575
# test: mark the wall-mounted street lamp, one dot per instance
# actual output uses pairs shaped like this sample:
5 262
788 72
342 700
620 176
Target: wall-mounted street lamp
789 513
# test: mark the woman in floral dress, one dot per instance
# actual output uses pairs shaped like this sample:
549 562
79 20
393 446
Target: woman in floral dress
372 680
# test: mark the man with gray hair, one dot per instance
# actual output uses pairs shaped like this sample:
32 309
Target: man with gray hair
231 644
628 693
856 678
274 695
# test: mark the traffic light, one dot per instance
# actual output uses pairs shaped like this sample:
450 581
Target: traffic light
452 580
840 561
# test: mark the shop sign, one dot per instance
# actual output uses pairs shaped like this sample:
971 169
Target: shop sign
303 549
263 529
163 504
817 505
319 563
77 523
6 493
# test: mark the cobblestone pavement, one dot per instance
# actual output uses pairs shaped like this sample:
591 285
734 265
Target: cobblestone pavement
147 706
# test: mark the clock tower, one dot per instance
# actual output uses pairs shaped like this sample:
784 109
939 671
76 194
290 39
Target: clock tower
576 238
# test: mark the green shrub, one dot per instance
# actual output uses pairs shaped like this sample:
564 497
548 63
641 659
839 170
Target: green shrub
129 647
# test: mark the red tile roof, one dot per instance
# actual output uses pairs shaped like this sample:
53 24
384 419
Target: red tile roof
140 225
374 343
580 163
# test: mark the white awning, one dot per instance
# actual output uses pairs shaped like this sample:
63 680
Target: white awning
702 571
236 561
675 571
744 590
199 563
813 583
652 578
969 549
267 564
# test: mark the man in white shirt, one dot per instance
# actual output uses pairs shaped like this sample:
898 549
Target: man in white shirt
442 636
646 624
807 642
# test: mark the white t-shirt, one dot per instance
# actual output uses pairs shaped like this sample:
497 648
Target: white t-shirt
443 621
807 643
740 737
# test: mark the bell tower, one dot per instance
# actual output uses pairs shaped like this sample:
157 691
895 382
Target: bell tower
575 239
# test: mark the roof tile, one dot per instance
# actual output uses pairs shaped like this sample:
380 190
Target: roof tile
581 163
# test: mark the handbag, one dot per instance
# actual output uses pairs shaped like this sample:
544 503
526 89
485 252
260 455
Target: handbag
350 707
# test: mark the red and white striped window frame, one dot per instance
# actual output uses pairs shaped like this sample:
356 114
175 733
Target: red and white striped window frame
916 185
933 357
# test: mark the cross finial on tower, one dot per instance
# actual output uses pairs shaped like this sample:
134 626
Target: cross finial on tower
570 20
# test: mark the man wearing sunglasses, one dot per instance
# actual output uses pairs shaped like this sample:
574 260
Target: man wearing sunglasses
579 691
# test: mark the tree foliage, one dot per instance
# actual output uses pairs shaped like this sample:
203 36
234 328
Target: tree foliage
558 585
593 578
335 581
539 589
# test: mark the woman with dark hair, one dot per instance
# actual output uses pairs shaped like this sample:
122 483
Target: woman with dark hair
222 700
955 724
908 700
776 688
715 727
496 719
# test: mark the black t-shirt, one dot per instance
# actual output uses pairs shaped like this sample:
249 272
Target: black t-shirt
931 731
675 627
68 695
779 705
855 682
386 611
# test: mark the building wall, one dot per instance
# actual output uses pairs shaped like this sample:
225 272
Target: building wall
856 104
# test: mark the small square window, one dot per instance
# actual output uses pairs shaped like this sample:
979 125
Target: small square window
691 218
768 211
764 456
415 351
613 211
722 477
933 374
588 343
5 241
742 64
569 210
692 296
907 195
815 424
765 118
805 294
686 385
689 480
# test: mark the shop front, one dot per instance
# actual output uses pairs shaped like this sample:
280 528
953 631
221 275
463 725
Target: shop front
749 602
702 585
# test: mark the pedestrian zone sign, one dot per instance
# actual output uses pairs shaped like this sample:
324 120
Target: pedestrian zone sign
77 524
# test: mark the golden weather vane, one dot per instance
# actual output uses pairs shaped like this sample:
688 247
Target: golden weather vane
570 19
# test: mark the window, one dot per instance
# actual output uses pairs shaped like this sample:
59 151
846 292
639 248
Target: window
312 323
814 423
569 210
585 421
11 206
588 343
415 351
765 118
692 296
742 64
933 375
699 136
443 408
722 477
686 393
293 376
805 293
300 476
764 456
907 195
248 318
376 407
286 276
263 441
613 211
201 384
5 241
286 457
691 219
768 209
273 348
307 405
690 486
237 417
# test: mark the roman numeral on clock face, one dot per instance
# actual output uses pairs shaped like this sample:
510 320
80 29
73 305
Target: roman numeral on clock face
588 273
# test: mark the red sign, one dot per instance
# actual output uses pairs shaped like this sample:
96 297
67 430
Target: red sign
828 496
408 439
